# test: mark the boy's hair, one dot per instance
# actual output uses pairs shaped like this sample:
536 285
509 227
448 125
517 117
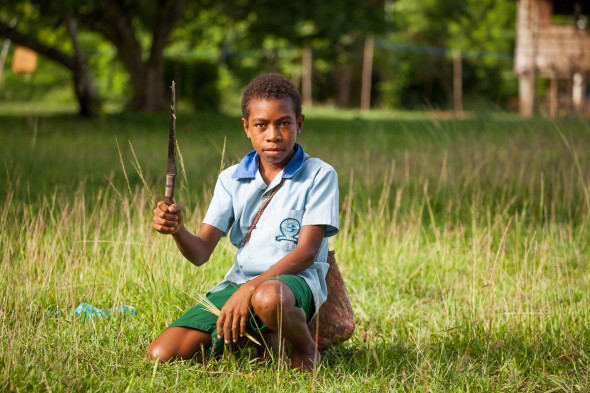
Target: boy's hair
269 86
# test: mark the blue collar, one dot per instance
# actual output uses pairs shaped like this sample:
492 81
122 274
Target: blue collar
248 167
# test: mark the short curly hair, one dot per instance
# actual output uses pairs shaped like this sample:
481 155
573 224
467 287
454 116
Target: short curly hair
269 86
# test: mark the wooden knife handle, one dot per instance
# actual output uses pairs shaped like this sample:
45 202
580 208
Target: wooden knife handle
169 192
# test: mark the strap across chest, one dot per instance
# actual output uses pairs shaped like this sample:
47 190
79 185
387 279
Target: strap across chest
262 208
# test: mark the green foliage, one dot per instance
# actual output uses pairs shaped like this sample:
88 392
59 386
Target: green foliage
49 77
484 32
111 79
412 67
46 84
197 82
304 23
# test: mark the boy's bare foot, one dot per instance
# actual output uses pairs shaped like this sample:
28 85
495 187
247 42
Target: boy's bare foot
272 340
271 344
305 362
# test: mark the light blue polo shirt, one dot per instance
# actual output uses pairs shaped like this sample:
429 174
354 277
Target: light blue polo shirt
309 196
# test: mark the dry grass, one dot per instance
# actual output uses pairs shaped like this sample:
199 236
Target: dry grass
464 244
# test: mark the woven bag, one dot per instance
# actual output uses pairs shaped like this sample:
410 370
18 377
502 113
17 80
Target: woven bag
334 323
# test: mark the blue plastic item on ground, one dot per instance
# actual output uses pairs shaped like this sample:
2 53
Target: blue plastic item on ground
88 311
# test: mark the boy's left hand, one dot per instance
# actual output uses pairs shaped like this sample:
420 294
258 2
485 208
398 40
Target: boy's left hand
233 318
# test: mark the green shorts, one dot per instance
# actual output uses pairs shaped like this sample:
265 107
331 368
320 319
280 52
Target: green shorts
199 318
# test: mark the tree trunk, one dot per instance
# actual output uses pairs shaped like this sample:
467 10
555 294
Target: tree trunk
367 72
113 21
343 80
148 87
457 83
86 93
3 55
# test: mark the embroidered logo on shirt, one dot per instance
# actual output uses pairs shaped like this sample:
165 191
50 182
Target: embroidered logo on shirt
290 228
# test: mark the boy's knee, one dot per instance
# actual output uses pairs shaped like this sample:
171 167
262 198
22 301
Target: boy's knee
270 299
158 352
265 299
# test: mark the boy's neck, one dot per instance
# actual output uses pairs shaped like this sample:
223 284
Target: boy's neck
269 172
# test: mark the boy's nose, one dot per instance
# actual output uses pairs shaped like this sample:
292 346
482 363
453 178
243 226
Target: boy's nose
273 134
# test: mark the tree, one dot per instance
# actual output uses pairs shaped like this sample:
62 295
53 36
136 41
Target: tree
125 24
74 60
138 30
335 31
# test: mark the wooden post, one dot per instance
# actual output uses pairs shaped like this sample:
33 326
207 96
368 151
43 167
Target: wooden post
579 90
367 72
306 84
526 96
457 83
553 95
526 53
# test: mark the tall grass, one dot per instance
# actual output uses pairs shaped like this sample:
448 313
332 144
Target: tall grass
464 245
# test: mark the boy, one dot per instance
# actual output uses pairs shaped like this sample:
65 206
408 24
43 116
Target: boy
280 266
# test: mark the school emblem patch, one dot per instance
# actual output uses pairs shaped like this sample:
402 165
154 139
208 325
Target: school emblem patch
289 228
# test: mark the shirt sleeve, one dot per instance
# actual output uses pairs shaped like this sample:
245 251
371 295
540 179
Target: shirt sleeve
322 203
221 213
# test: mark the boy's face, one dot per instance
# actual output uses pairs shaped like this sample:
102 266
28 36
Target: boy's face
272 126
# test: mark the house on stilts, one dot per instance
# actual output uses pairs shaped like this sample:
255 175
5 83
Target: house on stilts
553 42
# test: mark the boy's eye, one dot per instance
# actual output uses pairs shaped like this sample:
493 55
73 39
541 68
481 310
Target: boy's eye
284 124
259 125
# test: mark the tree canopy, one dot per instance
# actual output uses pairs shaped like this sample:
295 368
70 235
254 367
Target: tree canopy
221 44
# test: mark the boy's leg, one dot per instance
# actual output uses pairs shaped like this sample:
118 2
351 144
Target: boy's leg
179 343
275 304
186 337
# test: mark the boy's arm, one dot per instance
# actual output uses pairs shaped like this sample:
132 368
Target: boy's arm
197 249
237 309
302 256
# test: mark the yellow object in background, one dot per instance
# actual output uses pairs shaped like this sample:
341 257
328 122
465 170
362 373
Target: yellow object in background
24 60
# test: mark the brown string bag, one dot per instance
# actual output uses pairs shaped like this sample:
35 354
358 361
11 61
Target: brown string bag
334 323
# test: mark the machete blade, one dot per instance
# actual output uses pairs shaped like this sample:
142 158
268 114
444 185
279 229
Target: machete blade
171 170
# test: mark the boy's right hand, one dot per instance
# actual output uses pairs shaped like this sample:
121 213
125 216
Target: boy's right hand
167 219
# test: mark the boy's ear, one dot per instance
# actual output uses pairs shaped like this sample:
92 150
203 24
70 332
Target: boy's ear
245 125
300 122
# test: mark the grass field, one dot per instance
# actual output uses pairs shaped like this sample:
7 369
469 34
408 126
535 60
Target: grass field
465 246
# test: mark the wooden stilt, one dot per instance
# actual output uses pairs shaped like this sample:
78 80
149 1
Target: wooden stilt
306 83
367 72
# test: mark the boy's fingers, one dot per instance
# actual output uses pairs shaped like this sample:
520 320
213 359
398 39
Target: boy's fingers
231 329
173 209
243 323
163 229
164 222
220 321
168 217
165 218
235 331
227 330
